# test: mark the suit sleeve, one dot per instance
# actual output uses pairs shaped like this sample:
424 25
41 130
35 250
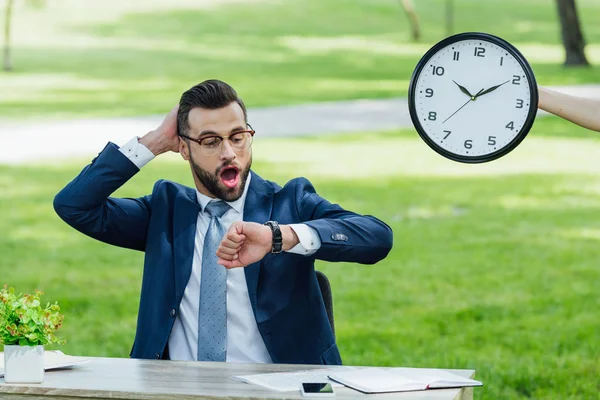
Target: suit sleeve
85 204
345 235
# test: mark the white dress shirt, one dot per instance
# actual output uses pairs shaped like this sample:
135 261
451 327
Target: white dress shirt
244 342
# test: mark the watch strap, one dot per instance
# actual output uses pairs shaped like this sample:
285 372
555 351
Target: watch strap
277 245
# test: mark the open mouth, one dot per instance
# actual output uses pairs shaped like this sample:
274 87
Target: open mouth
230 176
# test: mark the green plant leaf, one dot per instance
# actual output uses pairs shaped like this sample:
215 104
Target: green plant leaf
24 321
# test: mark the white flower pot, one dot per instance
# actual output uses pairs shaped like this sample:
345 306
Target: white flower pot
23 364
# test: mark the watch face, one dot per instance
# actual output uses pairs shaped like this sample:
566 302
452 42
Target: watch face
473 97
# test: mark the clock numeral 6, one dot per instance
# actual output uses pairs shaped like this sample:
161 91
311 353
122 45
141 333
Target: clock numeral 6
429 92
432 116
516 80
492 140
468 144
519 103
437 70
510 125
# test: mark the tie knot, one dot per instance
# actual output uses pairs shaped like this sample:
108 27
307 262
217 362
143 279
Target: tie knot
216 208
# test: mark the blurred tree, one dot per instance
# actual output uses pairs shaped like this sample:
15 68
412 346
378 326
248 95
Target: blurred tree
449 17
572 36
7 65
409 9
8 11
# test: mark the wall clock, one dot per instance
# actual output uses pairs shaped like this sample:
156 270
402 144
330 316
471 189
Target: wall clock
473 97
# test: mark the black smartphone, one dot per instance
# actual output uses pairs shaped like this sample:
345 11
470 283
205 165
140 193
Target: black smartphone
317 389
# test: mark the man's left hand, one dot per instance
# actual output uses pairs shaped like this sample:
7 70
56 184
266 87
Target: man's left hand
244 243
248 242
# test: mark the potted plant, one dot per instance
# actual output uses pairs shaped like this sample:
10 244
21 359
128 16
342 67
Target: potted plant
25 328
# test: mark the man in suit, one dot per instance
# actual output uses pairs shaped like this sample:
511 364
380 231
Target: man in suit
229 265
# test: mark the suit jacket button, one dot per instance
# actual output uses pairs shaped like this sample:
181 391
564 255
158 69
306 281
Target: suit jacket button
339 237
157 356
173 312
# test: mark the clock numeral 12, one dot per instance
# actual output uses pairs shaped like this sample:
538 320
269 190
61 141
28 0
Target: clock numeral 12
479 52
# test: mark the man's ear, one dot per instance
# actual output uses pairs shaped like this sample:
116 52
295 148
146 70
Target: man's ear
184 149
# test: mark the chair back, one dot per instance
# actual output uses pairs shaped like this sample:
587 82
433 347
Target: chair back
327 297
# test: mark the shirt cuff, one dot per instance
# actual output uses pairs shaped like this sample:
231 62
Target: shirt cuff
309 238
137 152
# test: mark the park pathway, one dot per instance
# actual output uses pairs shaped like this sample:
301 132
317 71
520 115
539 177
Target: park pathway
24 142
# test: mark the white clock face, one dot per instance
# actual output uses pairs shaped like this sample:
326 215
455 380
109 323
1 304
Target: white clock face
472 98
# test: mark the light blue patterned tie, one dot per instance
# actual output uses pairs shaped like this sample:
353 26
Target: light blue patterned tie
212 313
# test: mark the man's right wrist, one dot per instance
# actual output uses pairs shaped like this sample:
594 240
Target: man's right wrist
150 142
137 152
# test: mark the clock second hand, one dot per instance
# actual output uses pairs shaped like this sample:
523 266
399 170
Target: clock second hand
461 107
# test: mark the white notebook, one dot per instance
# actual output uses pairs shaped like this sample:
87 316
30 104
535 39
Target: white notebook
381 380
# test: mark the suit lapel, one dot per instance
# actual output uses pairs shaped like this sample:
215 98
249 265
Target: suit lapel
257 208
185 218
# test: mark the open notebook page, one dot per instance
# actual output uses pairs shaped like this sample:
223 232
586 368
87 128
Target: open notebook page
380 380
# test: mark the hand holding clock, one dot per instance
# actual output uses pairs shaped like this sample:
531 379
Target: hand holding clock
582 111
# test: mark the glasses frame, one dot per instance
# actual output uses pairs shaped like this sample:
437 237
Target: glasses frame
251 131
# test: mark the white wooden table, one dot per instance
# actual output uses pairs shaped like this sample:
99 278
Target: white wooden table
132 379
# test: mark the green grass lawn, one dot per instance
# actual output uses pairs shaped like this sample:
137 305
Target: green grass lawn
494 266
105 59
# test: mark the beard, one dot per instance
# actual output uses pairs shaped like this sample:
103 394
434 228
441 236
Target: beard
213 184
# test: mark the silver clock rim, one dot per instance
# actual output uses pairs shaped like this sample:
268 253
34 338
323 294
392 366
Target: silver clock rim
532 89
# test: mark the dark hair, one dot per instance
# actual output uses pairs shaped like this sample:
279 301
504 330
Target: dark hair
211 94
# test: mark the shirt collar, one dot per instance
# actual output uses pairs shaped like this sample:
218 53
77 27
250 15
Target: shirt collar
237 205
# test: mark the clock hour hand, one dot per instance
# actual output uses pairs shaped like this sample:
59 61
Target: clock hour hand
463 89
490 89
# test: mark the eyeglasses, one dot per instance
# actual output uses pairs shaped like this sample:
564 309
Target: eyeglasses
211 145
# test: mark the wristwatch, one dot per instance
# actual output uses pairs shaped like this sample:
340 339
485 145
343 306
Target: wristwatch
277 245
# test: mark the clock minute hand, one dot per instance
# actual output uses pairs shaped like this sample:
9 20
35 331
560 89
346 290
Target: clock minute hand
490 89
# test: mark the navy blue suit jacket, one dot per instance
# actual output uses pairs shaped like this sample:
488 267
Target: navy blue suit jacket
283 288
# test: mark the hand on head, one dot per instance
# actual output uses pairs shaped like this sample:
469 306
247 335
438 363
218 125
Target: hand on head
164 138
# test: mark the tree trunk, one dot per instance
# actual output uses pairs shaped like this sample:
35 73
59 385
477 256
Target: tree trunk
409 9
449 17
7 66
571 33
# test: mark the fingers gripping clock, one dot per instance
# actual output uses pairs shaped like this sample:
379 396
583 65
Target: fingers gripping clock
473 97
